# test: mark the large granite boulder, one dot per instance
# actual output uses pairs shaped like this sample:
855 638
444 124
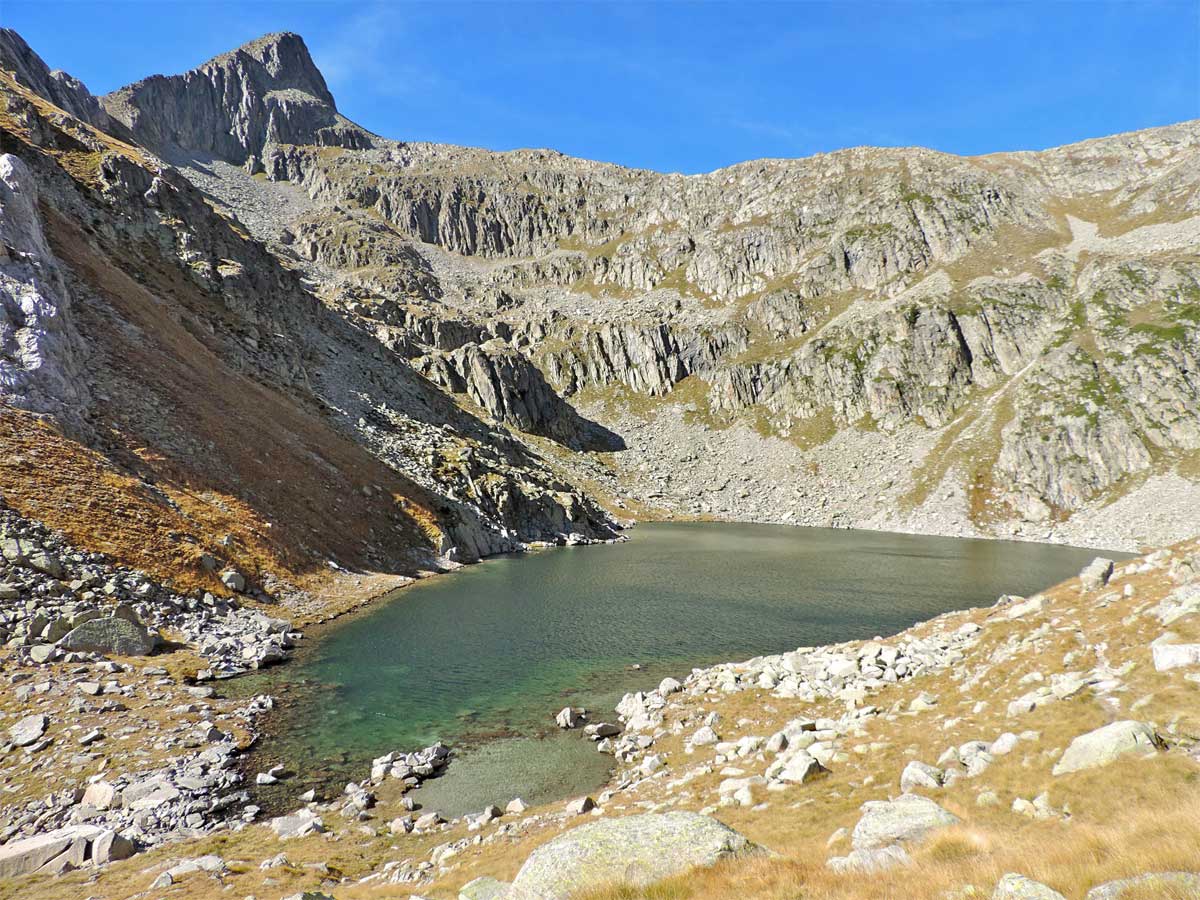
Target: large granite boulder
634 849
30 854
301 823
1102 746
62 850
1096 573
907 818
112 636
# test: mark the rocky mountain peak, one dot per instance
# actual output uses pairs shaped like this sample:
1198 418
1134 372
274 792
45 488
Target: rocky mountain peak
284 59
268 91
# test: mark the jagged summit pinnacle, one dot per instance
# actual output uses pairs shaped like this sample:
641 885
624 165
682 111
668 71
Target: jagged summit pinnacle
268 91
283 56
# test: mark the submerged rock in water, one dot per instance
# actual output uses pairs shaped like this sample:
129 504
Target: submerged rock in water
569 717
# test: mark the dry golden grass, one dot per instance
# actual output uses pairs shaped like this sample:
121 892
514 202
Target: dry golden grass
972 444
1012 249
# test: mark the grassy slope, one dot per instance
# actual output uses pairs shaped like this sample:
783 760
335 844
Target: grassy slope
273 474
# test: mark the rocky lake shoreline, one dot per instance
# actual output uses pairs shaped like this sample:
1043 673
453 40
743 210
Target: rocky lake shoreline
206 773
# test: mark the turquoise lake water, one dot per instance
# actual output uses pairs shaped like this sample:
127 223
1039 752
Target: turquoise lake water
484 657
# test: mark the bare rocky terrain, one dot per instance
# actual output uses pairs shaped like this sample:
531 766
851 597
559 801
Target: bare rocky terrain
1004 344
259 366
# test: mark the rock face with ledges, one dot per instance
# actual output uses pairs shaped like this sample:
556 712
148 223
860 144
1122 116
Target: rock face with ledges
41 351
649 358
485 490
838 280
932 331
947 302
638 849
514 391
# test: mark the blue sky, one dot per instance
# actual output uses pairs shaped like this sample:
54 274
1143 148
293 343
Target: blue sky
683 86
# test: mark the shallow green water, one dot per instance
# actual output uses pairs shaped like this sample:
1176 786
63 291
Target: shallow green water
483 658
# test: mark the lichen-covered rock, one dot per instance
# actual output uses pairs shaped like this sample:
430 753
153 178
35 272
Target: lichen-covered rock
1014 886
1102 746
919 774
876 860
111 635
485 888
1181 885
638 849
907 818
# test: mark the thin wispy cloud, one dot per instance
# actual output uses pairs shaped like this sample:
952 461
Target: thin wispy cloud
368 50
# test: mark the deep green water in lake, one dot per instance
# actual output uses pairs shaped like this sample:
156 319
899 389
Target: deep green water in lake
483 658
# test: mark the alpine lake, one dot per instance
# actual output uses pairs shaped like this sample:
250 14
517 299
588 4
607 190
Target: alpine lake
484 657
